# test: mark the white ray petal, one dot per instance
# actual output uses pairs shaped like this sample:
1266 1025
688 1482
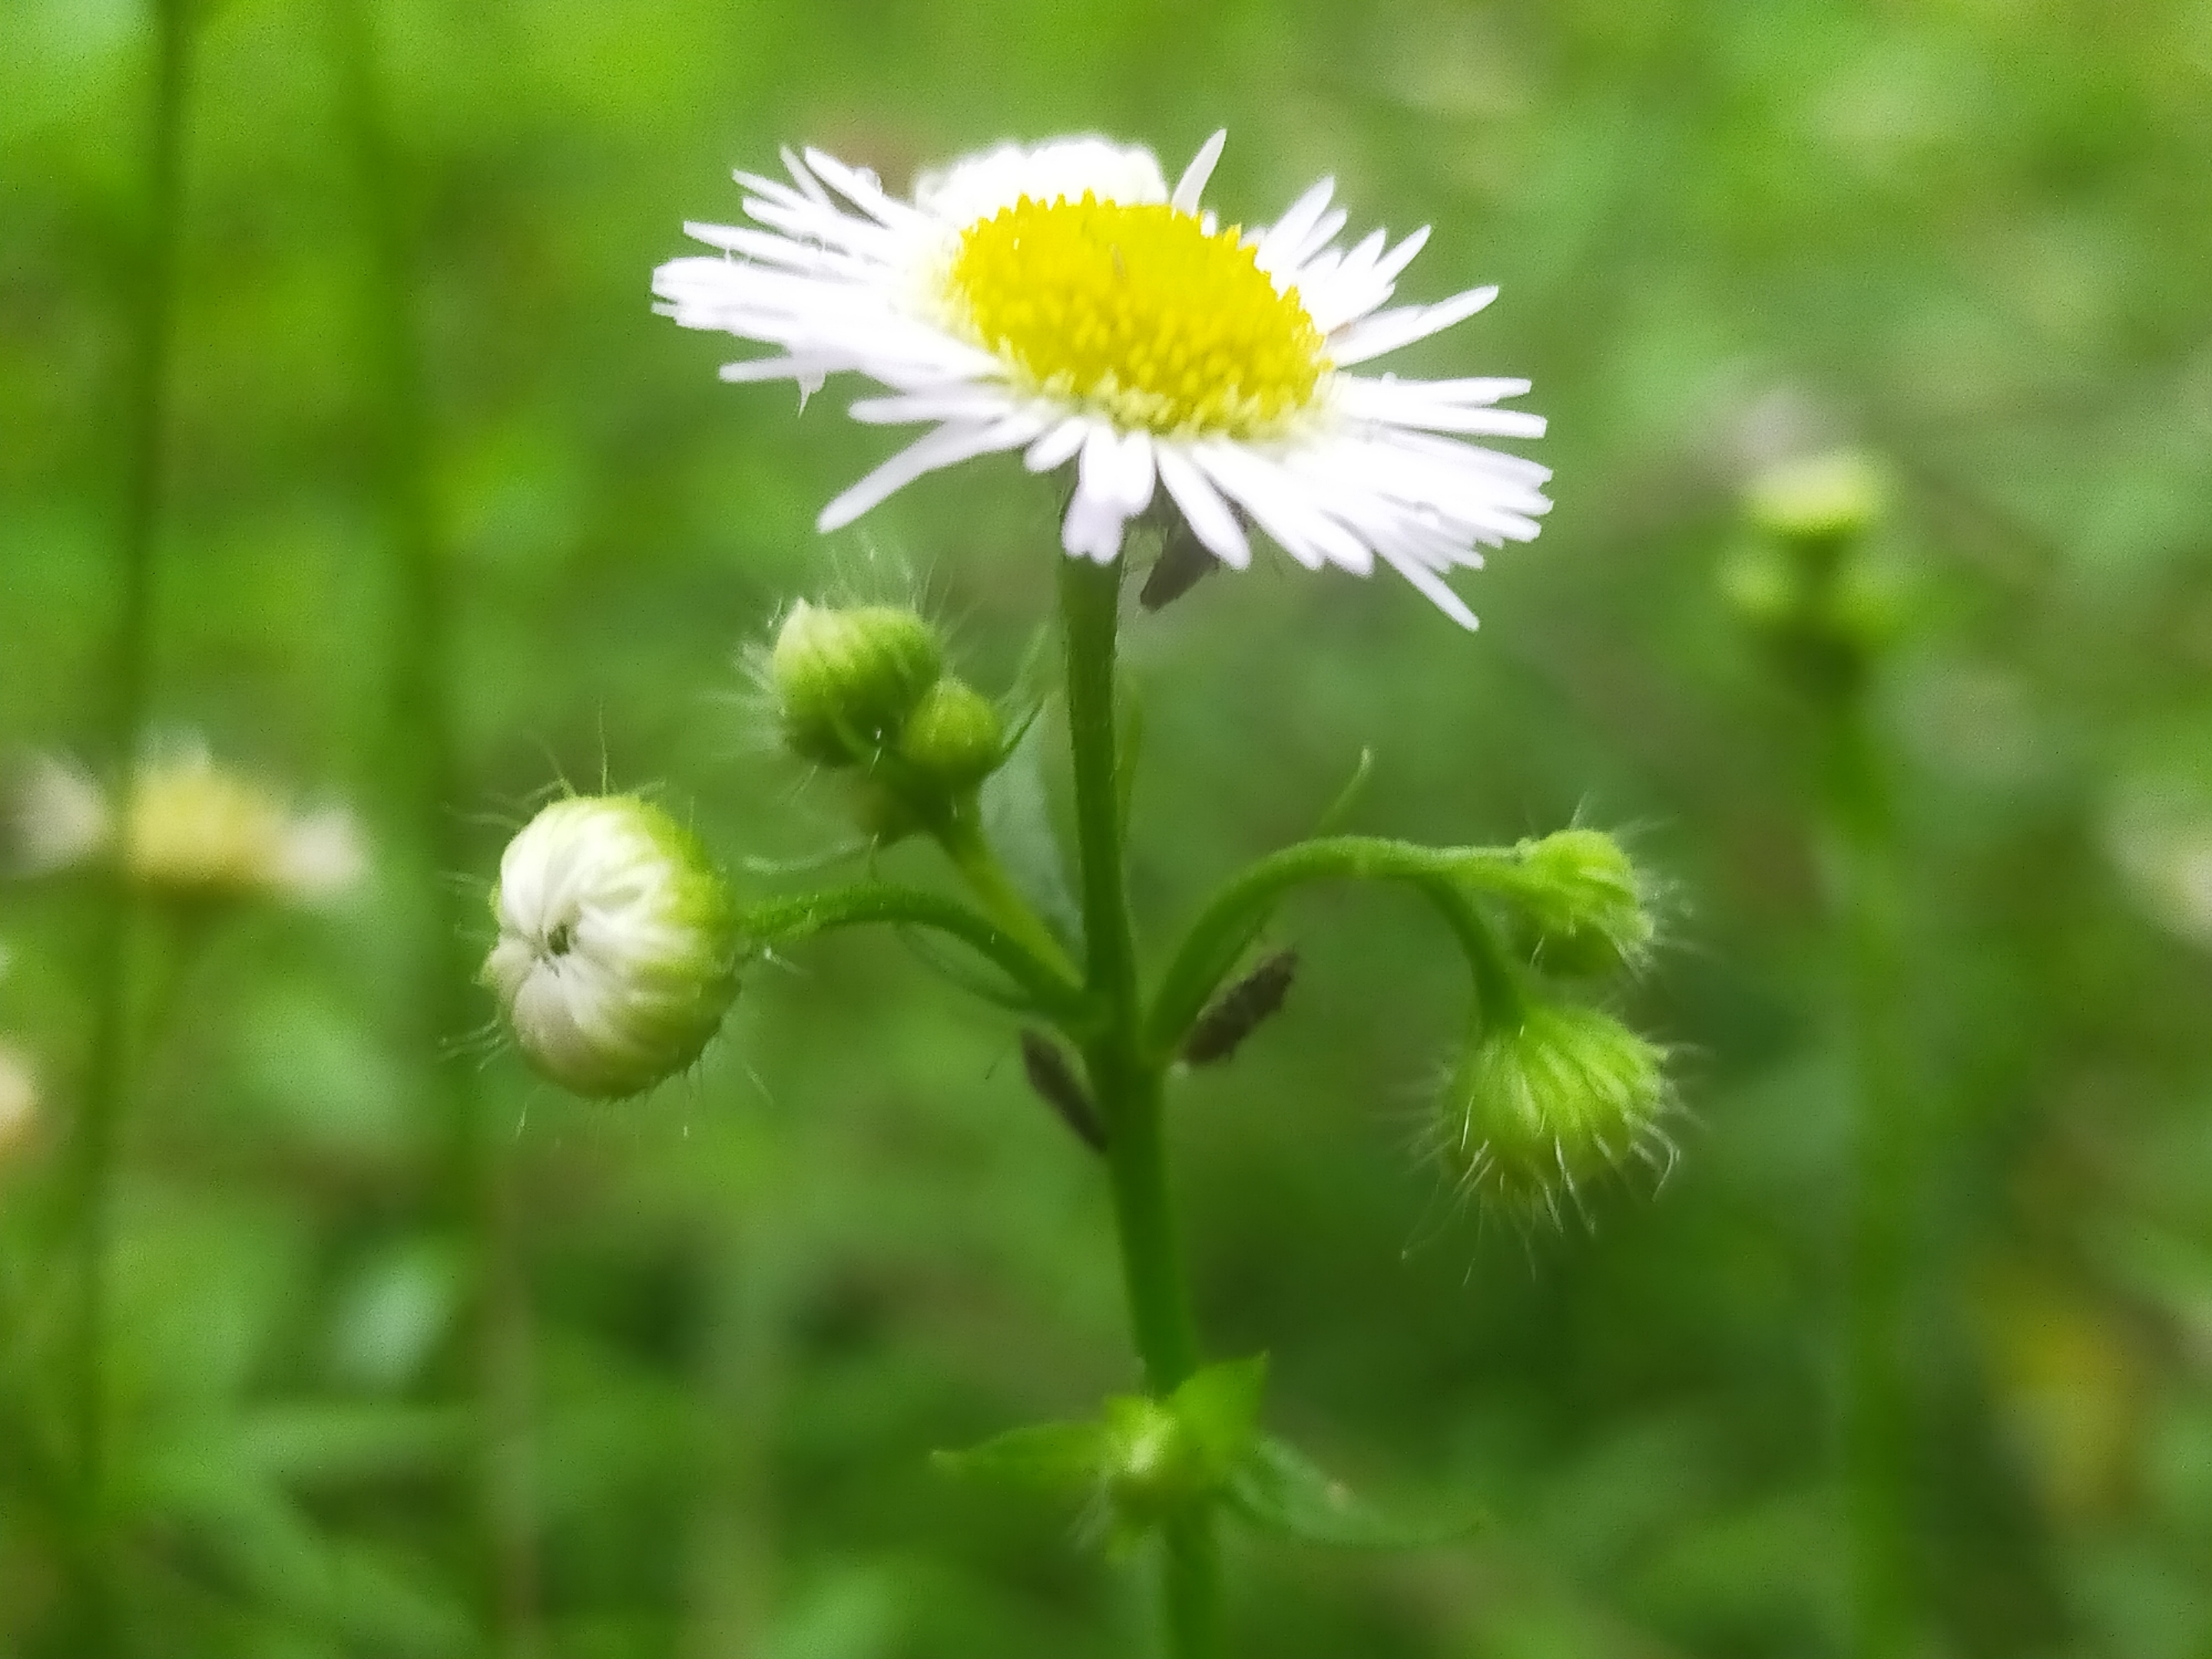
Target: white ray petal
1059 445
1389 331
1291 229
946 445
1191 185
1208 514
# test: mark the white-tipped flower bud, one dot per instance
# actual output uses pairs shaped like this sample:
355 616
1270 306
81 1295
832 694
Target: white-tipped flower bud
618 945
1543 1104
1585 900
954 738
845 681
194 830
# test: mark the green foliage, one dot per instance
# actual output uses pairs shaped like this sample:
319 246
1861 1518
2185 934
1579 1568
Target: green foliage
1963 237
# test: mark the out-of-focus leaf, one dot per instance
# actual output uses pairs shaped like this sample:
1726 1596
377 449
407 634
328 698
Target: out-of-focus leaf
1065 1459
1279 1489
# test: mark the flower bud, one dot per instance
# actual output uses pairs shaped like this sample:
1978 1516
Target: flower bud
1585 900
618 945
845 681
1549 1101
1822 498
954 738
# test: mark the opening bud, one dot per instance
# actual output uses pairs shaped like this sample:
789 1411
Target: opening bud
1544 1104
953 738
847 680
618 945
1585 902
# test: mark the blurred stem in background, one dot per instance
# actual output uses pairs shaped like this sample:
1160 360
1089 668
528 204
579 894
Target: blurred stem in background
1878 1428
128 674
1824 612
423 754
1126 1080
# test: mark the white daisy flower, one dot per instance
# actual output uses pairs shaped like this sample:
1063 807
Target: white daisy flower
194 828
1061 299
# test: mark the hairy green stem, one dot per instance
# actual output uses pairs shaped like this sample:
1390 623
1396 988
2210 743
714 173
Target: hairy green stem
962 837
1125 1082
423 750
783 922
1225 927
91 1176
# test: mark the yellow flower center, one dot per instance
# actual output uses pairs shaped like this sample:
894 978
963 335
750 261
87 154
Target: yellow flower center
1135 310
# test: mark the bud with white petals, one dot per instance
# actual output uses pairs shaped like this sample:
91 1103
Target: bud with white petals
619 945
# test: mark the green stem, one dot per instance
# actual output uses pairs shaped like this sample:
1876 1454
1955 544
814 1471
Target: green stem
783 922
424 754
1877 1426
1127 1083
108 1083
1224 927
962 837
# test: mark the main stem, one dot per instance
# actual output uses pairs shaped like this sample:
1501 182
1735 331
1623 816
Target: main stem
108 1082
1126 1084
1877 1425
483 1174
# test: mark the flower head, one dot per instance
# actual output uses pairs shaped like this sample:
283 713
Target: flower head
1548 1100
618 944
1061 299
191 829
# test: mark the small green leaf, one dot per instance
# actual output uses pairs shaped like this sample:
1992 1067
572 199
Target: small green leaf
1279 1489
1060 1459
1018 822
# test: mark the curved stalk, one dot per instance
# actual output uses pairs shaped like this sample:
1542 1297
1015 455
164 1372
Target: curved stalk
962 837
1224 927
108 1084
782 921
1125 1082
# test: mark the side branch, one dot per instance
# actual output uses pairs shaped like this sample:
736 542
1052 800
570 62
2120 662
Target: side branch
1225 926
782 921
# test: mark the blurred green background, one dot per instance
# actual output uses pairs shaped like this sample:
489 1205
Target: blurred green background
1968 236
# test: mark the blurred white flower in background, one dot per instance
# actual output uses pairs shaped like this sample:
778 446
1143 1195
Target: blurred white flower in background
192 829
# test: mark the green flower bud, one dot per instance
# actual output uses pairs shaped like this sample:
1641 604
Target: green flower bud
1823 498
845 681
1585 900
954 738
618 945
1548 1102
1154 1465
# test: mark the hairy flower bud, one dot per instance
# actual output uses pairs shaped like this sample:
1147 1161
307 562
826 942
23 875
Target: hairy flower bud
1547 1101
618 944
953 738
846 680
1585 900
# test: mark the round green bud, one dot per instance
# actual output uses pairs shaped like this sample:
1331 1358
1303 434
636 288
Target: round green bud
954 738
1544 1104
1822 498
846 680
1154 1465
618 945
1585 904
